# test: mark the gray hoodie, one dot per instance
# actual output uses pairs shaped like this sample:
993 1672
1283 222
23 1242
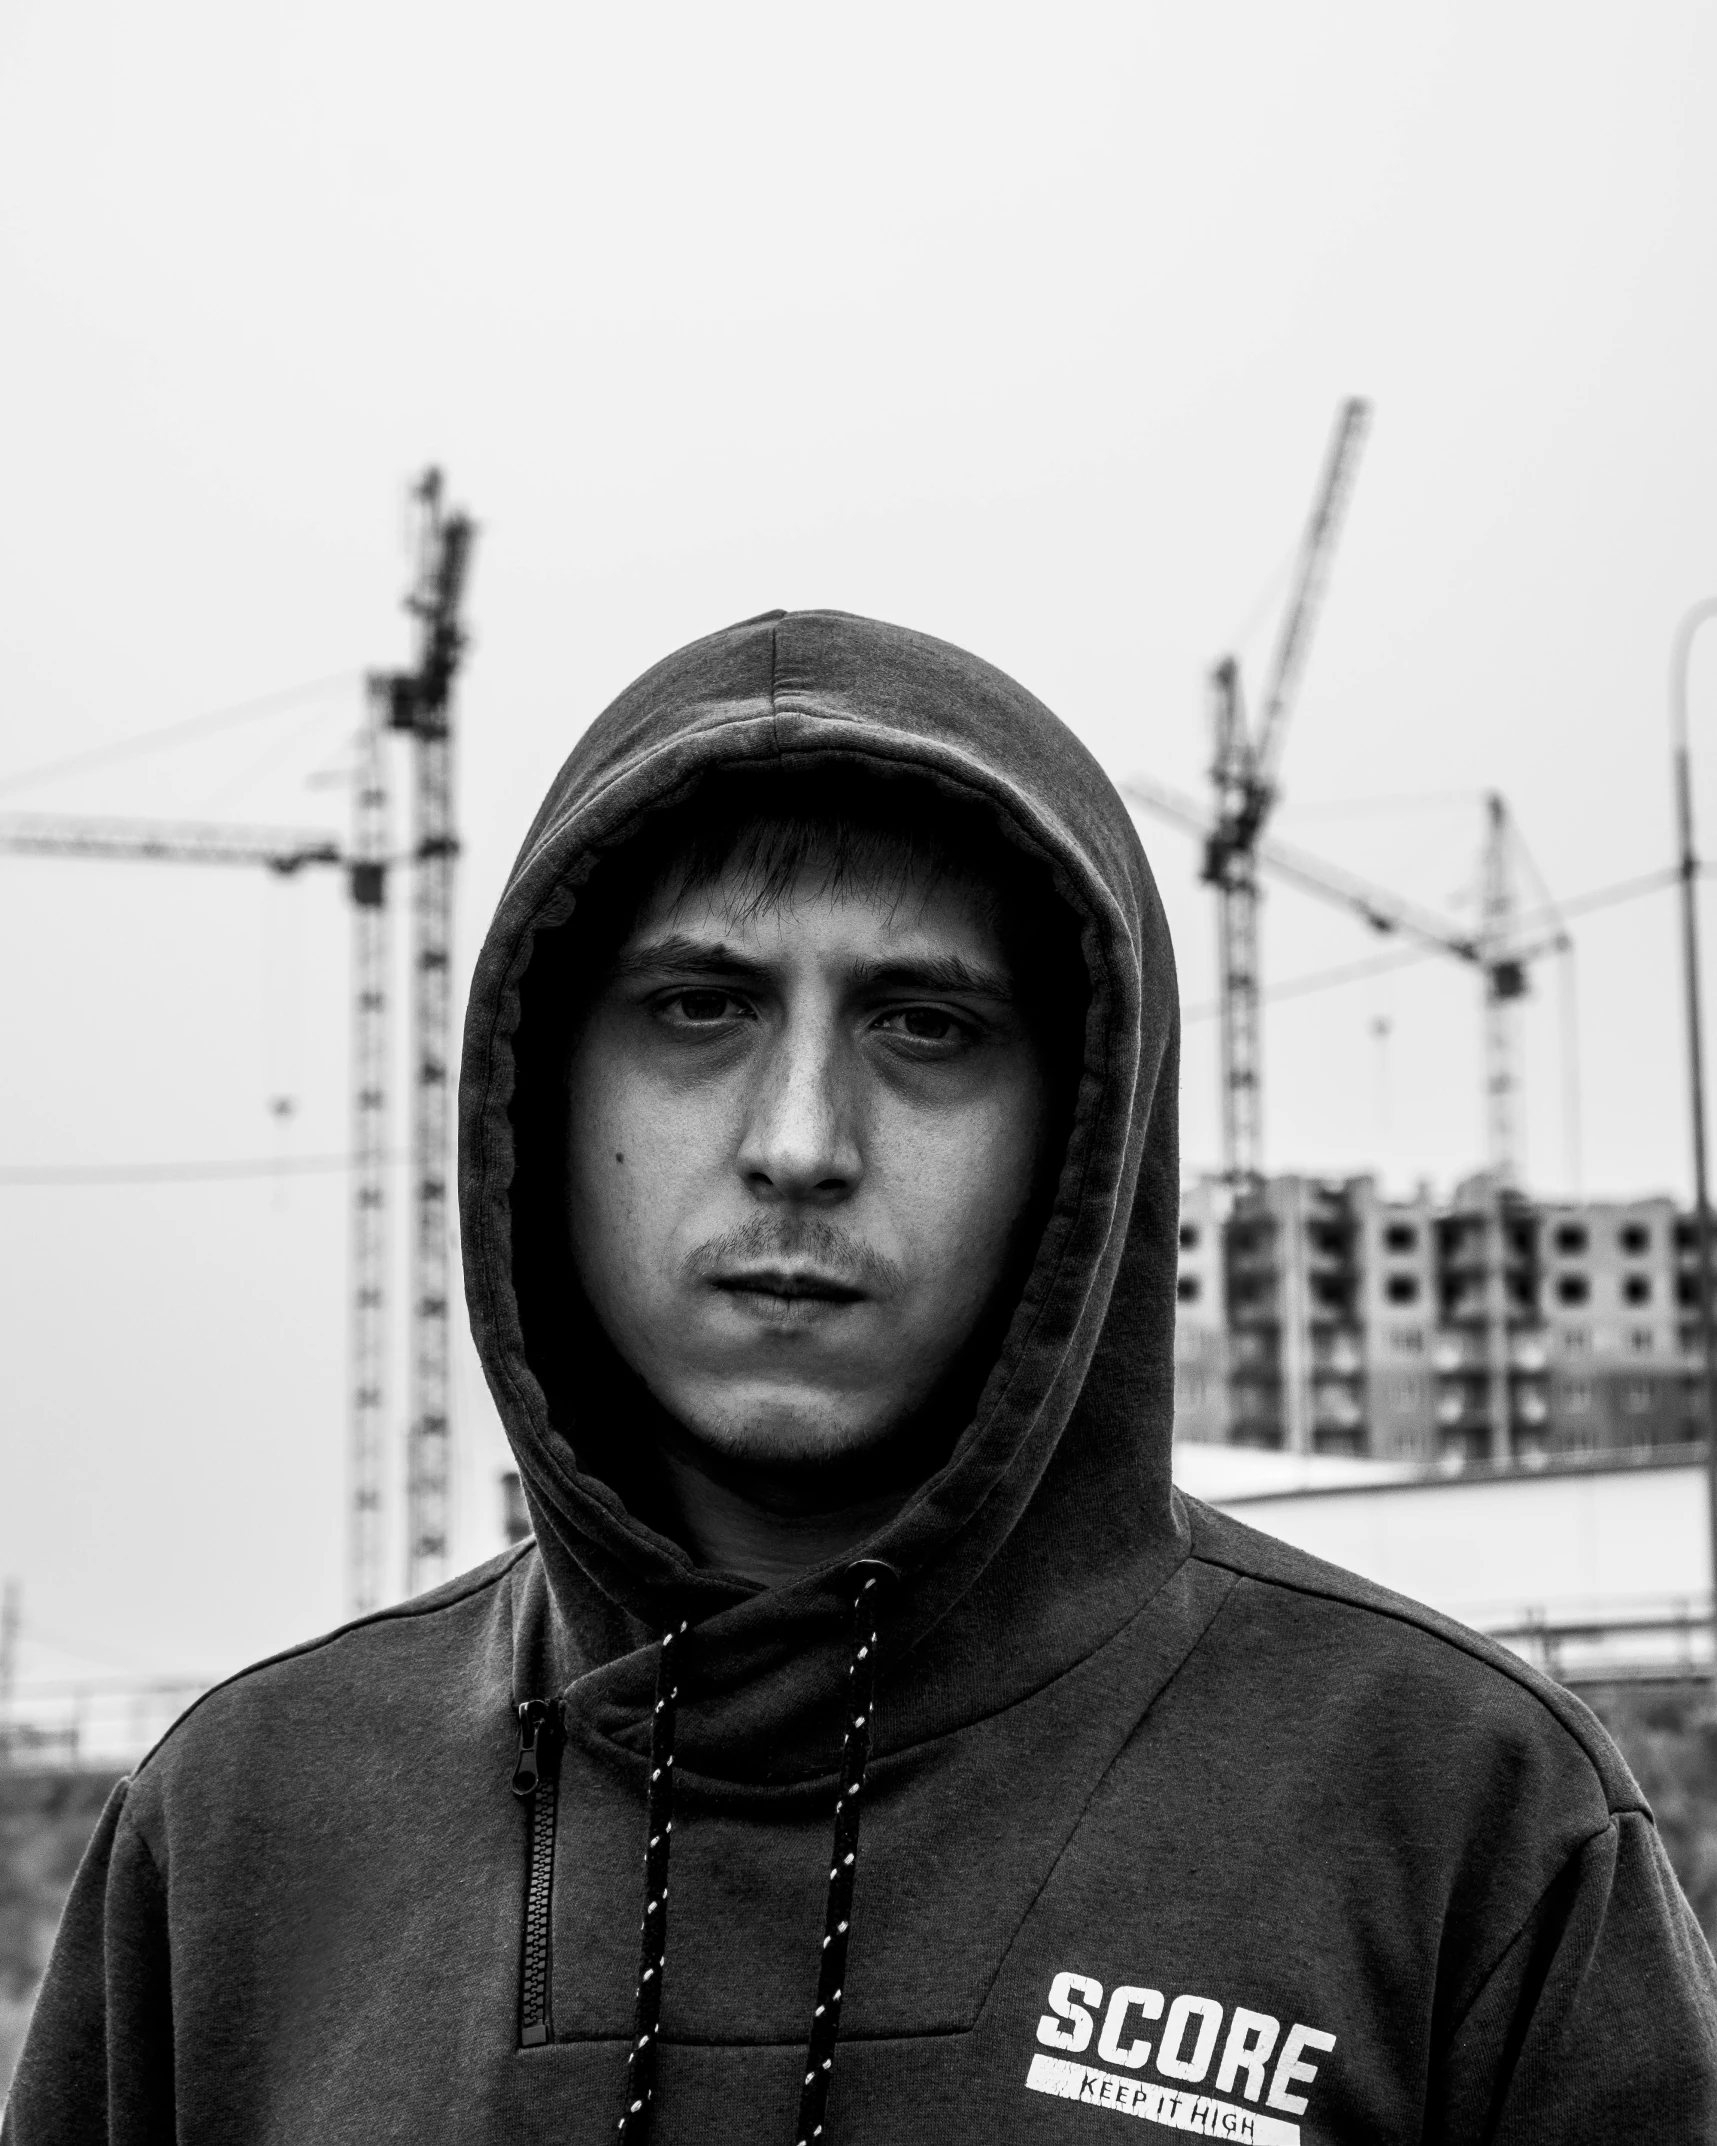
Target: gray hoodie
1160 1819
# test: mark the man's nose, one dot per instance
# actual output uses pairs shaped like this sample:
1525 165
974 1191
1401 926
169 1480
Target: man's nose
801 1137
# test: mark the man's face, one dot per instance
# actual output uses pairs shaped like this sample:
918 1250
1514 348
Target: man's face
803 1138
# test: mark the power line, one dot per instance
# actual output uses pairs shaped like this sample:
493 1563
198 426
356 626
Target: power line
146 741
1339 808
176 1173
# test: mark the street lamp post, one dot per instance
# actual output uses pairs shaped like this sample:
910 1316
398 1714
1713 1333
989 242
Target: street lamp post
1689 869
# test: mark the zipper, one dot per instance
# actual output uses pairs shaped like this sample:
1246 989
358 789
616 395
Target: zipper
536 1781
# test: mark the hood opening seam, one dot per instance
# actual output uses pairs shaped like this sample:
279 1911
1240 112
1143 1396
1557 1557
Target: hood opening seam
909 762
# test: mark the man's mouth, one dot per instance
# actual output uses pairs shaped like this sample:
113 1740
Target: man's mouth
787 1285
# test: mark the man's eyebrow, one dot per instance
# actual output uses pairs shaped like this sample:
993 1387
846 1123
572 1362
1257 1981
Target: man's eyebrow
677 951
936 973
679 954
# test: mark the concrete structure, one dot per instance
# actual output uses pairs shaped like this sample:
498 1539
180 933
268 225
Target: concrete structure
1321 1317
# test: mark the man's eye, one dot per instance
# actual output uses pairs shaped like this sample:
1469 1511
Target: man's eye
924 1024
702 1007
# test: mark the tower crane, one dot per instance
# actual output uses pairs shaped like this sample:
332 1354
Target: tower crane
1502 956
1499 951
1244 778
418 702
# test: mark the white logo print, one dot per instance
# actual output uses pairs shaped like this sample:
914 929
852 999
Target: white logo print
1183 2051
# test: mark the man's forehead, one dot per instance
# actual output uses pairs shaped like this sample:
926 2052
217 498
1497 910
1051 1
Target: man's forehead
884 903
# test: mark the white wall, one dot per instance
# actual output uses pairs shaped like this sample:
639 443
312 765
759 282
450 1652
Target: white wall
1623 1547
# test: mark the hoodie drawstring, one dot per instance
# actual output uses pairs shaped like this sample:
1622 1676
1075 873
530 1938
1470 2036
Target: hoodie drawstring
843 1863
653 1939
860 1698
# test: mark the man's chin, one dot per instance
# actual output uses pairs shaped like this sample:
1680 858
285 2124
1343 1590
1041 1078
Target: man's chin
787 1440
795 1440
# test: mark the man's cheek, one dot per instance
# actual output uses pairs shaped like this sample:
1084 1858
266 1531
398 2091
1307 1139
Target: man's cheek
939 1183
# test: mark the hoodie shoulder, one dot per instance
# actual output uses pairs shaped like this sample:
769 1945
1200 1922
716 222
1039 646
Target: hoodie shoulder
1411 1650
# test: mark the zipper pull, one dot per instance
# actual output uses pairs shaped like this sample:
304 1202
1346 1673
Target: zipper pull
538 1746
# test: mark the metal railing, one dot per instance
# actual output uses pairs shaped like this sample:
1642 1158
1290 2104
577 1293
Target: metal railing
1666 1641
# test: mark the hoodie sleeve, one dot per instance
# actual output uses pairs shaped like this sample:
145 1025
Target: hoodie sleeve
1599 2021
97 2064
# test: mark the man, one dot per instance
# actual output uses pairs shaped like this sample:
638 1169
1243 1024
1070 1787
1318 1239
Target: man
819 1192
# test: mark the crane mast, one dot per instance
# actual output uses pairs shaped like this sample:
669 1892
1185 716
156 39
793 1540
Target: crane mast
1505 985
1243 775
367 1327
1231 865
421 703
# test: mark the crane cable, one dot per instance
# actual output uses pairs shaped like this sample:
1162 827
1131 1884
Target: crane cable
146 741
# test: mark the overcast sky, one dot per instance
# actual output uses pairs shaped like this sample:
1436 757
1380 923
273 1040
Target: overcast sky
1024 326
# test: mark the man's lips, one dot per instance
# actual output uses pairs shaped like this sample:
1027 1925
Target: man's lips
790 1284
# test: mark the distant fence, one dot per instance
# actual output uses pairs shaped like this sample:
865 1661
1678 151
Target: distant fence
71 1727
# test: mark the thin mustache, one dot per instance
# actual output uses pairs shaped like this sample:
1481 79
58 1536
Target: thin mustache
802 1242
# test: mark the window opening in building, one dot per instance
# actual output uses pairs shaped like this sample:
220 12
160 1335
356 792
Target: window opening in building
1571 1237
1640 1340
1187 1289
1634 1237
1572 1289
1189 1236
1400 1237
1402 1289
1636 1289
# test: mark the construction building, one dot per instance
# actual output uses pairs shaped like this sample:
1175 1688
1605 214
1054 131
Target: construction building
1320 1316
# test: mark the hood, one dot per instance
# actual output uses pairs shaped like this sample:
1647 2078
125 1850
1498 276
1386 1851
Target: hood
1053 1516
